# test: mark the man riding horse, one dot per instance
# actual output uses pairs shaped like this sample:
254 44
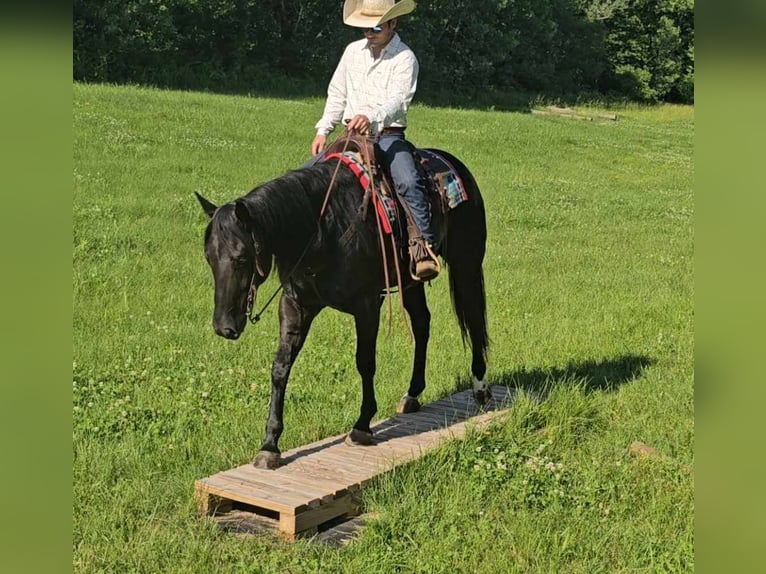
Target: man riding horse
370 91
328 249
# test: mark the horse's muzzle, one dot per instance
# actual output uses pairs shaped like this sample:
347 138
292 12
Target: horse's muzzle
227 332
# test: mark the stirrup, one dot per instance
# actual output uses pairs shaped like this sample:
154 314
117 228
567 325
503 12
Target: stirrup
421 250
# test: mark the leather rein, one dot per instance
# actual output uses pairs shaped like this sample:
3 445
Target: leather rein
253 291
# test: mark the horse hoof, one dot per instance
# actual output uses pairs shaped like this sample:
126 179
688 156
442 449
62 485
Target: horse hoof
407 405
483 397
267 460
359 438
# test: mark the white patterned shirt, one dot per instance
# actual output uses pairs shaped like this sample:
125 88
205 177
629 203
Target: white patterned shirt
380 89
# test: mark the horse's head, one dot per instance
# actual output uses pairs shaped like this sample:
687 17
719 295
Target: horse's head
239 263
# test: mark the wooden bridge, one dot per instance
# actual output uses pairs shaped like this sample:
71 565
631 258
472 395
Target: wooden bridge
320 483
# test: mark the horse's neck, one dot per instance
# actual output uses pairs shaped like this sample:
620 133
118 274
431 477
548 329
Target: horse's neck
285 214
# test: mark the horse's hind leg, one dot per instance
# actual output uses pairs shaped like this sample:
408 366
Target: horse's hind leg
294 323
466 242
367 321
476 322
414 299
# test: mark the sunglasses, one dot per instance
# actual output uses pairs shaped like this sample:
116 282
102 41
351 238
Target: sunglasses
375 30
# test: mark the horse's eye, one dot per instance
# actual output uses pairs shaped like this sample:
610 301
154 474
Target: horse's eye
238 261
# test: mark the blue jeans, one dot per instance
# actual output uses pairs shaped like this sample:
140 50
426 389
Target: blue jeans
396 156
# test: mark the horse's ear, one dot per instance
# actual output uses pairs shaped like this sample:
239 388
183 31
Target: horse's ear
207 206
242 213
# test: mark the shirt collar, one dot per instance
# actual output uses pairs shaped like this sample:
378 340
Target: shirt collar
392 44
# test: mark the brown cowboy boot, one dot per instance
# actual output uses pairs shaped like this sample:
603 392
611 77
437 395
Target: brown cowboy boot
427 267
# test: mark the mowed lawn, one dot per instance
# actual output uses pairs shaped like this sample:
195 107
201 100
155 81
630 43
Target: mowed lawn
589 285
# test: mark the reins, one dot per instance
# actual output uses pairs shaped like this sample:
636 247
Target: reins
381 237
252 292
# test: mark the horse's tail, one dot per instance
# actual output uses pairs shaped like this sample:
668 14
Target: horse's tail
464 249
470 307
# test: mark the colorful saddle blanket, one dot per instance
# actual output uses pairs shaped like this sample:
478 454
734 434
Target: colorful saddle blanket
443 184
446 181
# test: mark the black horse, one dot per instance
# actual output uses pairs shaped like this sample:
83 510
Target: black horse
337 261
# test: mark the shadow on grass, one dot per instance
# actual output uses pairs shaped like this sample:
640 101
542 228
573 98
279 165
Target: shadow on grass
606 374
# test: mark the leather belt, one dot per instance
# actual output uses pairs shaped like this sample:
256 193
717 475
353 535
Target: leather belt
392 130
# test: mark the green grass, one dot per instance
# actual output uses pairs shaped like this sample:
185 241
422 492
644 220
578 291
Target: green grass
589 285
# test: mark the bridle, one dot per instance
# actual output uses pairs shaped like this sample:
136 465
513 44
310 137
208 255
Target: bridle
251 300
253 291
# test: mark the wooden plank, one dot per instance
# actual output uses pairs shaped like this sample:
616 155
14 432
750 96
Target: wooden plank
322 469
382 461
450 415
397 450
395 431
394 427
435 419
351 473
288 475
419 427
465 402
262 496
210 504
328 464
314 446
409 425
352 481
329 484
246 523
283 486
353 462
255 497
463 398
346 504
402 437
463 409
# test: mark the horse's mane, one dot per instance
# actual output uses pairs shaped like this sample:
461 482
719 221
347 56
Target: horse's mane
286 209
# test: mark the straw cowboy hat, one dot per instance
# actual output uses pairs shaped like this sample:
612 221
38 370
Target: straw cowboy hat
370 13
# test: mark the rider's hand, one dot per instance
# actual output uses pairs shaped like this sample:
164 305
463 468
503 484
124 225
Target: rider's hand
359 123
317 146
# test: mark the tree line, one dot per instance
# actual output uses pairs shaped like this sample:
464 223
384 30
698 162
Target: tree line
640 50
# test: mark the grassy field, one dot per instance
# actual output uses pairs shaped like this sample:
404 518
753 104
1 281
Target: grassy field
589 285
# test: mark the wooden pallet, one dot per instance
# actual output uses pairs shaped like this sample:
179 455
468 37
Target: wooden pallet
321 482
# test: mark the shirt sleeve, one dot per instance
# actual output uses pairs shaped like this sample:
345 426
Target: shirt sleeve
404 82
336 99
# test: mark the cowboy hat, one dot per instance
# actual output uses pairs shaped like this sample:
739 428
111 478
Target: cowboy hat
370 13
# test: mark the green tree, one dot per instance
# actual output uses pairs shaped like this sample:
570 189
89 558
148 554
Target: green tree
648 46
640 49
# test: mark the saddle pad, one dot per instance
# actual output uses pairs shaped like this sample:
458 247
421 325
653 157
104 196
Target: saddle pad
446 179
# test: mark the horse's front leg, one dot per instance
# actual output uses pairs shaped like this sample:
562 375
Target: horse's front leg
294 324
414 299
367 320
